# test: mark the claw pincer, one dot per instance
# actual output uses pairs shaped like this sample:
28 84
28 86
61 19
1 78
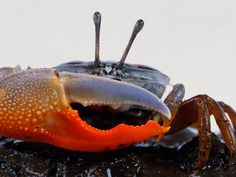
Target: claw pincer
35 105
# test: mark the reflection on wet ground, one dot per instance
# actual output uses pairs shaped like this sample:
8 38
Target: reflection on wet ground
34 159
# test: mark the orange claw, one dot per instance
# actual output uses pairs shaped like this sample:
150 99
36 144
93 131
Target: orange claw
35 106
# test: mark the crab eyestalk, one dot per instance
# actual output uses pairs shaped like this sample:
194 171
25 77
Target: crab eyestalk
97 22
137 28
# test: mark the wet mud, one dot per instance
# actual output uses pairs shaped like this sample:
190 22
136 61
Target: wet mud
35 159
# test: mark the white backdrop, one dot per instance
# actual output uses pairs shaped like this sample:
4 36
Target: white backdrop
194 42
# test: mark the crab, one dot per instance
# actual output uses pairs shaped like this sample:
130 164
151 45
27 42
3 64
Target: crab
102 106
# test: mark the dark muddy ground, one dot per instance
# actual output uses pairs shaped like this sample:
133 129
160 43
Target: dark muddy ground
33 159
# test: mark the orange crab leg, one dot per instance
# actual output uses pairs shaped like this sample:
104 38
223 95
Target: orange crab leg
35 106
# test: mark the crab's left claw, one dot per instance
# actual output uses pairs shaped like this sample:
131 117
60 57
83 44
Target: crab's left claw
36 105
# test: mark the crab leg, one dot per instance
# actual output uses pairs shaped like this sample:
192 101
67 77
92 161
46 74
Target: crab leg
230 111
174 100
198 110
35 106
204 130
224 124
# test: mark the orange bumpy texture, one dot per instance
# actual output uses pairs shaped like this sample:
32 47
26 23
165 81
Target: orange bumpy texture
33 107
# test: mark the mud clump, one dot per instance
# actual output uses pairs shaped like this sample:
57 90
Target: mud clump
35 159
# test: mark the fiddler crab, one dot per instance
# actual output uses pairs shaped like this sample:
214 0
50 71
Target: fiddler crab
102 106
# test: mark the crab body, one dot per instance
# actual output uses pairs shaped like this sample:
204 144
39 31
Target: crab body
143 76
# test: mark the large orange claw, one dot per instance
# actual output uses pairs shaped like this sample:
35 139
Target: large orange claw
35 105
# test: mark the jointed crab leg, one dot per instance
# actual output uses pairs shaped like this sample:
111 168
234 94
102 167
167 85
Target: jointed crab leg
35 105
198 109
223 123
230 111
174 100
204 130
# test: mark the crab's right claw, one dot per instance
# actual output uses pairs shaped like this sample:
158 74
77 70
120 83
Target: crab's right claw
35 105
